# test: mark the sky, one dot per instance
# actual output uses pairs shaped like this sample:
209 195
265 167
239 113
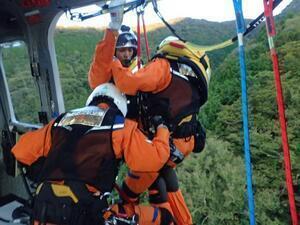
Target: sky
212 10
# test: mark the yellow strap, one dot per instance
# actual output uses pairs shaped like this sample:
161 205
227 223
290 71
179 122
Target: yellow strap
133 64
60 190
39 188
213 47
186 119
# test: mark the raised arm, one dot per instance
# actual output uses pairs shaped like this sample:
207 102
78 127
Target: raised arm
100 69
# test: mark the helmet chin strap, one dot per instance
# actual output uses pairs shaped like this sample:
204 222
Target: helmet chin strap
126 62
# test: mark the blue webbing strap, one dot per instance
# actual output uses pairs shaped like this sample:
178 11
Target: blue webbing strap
240 26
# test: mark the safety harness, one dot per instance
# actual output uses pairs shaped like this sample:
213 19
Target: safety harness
80 154
180 102
191 55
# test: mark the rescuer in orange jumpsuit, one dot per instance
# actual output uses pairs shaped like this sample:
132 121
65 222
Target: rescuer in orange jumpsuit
175 86
76 158
184 101
125 49
119 41
121 44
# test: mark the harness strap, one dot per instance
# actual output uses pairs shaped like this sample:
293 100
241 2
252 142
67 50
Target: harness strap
42 215
186 128
71 204
178 74
64 160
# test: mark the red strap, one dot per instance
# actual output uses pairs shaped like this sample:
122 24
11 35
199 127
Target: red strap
146 38
268 7
284 139
34 19
138 41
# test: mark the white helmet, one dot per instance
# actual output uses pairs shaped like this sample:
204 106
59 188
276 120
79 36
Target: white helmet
126 38
109 90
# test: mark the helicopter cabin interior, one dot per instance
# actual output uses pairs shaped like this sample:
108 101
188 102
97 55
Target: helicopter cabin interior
29 75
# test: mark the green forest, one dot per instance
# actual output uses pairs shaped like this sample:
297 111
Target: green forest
214 181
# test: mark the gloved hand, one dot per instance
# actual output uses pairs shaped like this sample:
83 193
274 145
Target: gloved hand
157 121
176 155
116 14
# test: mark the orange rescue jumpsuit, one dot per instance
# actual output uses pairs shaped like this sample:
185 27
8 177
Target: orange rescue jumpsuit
154 77
128 143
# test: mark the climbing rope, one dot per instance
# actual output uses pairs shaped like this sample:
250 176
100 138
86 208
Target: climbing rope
271 32
146 38
140 16
240 26
138 30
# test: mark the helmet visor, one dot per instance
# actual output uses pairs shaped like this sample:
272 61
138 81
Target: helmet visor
126 40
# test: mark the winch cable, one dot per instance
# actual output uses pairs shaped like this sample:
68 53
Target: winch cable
240 27
155 8
271 32
249 28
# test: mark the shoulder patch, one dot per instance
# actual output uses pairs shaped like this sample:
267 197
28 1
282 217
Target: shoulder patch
88 116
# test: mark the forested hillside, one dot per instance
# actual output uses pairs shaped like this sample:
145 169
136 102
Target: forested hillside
214 181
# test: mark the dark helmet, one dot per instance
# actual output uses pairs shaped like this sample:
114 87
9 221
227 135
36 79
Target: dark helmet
127 39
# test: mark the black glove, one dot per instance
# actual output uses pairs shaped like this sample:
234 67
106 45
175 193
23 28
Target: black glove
176 155
156 121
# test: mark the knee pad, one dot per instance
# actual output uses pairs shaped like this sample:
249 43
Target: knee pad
158 191
170 177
